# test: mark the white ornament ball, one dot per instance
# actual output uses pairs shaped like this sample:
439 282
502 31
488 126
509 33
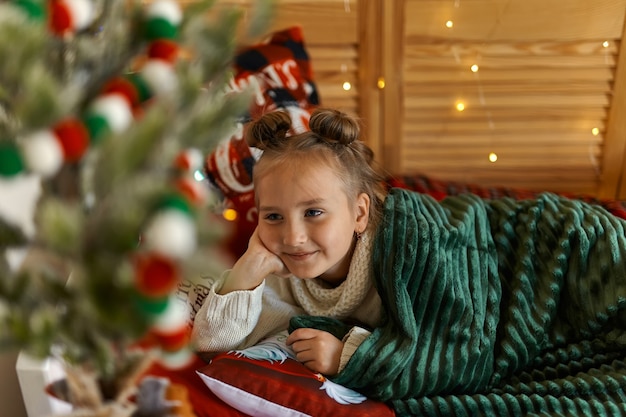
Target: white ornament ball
115 109
81 11
171 233
195 158
160 76
177 360
42 153
198 189
166 9
174 318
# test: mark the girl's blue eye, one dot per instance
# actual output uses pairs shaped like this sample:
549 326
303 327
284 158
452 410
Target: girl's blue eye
312 213
272 216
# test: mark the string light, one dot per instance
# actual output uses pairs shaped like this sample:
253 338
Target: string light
230 215
595 131
347 86
474 68
493 157
449 24
198 175
607 59
460 106
381 83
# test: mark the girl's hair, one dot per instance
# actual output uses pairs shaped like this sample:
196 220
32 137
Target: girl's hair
333 140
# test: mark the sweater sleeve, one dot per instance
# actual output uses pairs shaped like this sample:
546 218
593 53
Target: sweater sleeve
351 341
225 321
240 319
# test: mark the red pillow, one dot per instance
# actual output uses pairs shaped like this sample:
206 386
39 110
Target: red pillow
265 380
205 404
280 72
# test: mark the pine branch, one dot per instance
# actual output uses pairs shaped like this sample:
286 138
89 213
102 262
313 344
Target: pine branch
123 156
60 225
10 236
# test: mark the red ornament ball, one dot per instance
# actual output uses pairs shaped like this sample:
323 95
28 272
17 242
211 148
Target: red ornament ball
125 88
60 17
164 49
156 276
73 137
192 190
173 340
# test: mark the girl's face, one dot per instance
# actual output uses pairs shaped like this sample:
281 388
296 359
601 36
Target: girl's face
306 219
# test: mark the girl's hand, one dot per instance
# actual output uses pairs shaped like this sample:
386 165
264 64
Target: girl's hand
318 350
273 264
254 265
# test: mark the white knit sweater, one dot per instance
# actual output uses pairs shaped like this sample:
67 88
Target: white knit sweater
240 319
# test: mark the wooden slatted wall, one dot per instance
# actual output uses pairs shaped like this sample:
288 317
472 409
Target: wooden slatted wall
544 83
331 36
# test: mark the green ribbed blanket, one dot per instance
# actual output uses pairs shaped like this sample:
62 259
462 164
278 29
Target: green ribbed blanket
496 307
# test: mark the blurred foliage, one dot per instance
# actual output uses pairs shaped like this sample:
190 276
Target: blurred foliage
90 237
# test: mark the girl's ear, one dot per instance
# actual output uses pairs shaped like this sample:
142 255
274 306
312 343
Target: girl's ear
362 212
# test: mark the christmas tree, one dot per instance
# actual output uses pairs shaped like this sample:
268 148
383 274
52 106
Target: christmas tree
119 99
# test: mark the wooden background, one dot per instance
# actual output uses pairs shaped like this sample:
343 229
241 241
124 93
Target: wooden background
547 98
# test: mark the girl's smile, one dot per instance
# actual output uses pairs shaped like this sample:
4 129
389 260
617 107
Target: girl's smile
301 256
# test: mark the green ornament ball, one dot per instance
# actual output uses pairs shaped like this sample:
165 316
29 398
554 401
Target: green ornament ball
97 126
34 9
151 307
10 160
176 202
160 28
142 87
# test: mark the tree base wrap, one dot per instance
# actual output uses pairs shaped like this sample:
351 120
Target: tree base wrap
497 307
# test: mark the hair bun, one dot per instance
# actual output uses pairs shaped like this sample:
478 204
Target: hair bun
270 129
334 125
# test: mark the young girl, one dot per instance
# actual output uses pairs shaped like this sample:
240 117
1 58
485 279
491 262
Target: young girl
462 307
318 198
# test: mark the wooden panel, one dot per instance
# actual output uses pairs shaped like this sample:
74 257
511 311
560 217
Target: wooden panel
487 88
338 65
492 174
370 71
519 100
335 79
597 116
613 183
504 127
329 22
458 47
510 155
506 62
392 106
539 91
574 179
334 65
518 75
527 20
321 52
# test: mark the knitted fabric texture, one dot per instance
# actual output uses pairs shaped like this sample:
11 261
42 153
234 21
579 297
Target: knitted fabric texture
318 299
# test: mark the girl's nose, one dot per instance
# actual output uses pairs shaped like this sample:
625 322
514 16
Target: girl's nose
294 234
